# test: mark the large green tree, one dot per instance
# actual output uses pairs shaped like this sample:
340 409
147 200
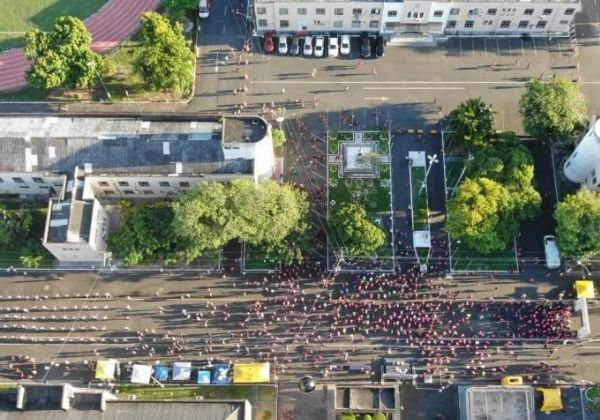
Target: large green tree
578 223
166 61
15 226
62 57
146 234
552 109
508 162
177 9
354 231
477 215
471 123
268 214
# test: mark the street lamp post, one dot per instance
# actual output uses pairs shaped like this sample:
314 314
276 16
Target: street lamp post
91 64
432 159
583 267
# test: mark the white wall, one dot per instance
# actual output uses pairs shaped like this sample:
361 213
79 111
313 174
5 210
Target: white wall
586 155
30 187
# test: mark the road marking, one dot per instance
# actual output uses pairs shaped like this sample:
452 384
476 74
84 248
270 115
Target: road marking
460 44
473 46
402 82
415 88
485 46
534 48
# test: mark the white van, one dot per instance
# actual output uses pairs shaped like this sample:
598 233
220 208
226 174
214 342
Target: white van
551 251
203 7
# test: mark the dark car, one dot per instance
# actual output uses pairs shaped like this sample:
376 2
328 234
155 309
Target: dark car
295 47
365 49
379 46
269 45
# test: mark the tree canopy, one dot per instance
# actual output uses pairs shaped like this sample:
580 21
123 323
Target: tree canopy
471 123
62 57
476 214
501 170
578 223
270 215
177 9
15 226
145 234
166 61
355 232
552 109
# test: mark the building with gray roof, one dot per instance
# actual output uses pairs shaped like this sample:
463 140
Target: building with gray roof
79 161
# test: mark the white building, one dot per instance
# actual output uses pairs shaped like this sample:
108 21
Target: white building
79 162
583 166
435 19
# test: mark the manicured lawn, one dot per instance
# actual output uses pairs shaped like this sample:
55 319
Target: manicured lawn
335 138
255 259
464 258
18 16
419 199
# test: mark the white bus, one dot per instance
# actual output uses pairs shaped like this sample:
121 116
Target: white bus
203 7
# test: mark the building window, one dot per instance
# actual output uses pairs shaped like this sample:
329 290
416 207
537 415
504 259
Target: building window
57 184
523 24
451 24
469 23
1 180
123 184
374 24
438 13
103 183
44 187
18 180
409 15
357 11
569 11
473 12
338 11
261 10
164 184
421 14
143 184
284 23
302 11
128 192
505 24
320 11
594 181
492 11
392 13
184 184
262 22
148 192
338 24
24 187
547 12
37 180
454 11
375 11
541 24
563 22
528 12
283 10
355 24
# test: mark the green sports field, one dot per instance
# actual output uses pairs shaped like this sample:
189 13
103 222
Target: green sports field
18 16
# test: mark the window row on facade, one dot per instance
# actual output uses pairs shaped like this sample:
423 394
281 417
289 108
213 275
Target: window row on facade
303 11
165 184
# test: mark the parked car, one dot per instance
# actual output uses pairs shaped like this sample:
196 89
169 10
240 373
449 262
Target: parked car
319 46
268 45
365 49
379 46
345 45
283 45
551 252
333 46
308 48
295 47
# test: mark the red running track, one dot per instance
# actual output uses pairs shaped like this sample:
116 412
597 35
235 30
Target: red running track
114 22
